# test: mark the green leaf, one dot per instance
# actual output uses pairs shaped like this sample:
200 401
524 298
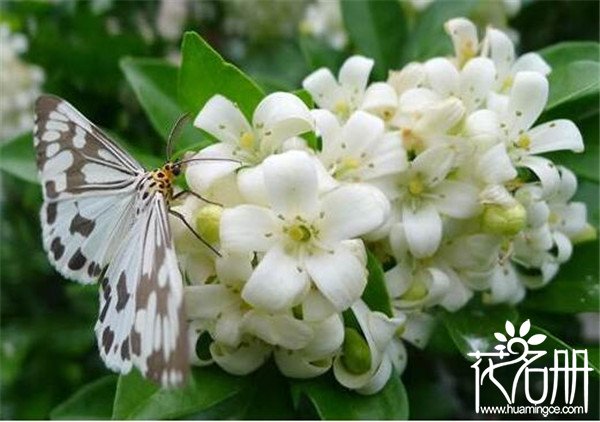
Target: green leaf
376 294
575 69
204 74
552 343
154 82
575 289
334 402
472 328
428 38
318 54
137 398
18 158
377 29
92 402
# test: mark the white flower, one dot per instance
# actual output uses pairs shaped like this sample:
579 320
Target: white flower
344 95
386 351
323 19
359 150
277 118
304 236
499 47
423 193
464 38
524 104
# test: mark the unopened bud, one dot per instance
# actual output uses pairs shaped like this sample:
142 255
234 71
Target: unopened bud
416 291
506 221
208 220
357 355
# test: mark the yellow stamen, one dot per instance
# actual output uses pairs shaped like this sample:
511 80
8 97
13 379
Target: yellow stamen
342 109
524 141
415 185
416 291
506 84
247 140
299 233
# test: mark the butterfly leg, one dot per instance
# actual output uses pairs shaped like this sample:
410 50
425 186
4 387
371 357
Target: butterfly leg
200 197
182 218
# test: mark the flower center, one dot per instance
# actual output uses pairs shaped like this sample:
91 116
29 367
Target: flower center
299 233
247 140
415 185
524 141
342 109
506 84
346 165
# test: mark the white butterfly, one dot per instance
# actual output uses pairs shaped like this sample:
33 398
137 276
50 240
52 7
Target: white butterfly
105 218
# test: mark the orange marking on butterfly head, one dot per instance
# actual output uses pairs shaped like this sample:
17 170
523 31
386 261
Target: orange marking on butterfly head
164 178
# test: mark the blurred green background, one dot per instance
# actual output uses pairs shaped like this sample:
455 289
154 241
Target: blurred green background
47 344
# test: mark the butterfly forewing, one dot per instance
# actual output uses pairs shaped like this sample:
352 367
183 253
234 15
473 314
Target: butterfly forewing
97 222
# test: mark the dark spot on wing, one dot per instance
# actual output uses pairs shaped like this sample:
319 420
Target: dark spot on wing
81 225
77 261
51 189
51 212
122 294
125 349
136 342
57 248
108 336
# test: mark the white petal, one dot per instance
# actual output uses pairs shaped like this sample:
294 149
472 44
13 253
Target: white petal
443 76
281 116
495 167
227 329
456 199
533 62
564 247
277 330
411 76
439 118
323 88
277 283
457 295
418 328
380 99
556 135
434 164
464 37
234 269
354 74
423 228
338 274
573 218
248 228
328 128
251 184
414 100
383 328
483 127
200 175
387 157
296 365
568 185
528 97
291 183
316 307
351 211
544 169
360 133
243 360
501 50
379 379
208 301
476 80
505 286
328 336
223 120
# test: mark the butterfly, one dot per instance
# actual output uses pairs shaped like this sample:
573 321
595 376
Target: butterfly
105 218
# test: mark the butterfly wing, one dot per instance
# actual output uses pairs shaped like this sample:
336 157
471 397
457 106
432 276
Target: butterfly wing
89 190
141 321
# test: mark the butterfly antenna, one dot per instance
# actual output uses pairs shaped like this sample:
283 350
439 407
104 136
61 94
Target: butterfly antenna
175 132
189 160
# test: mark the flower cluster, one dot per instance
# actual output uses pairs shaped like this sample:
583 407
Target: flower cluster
20 85
437 172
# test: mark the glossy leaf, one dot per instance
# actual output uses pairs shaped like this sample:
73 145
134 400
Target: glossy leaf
375 294
575 69
472 328
137 398
92 402
154 82
377 29
575 289
204 73
428 38
18 158
333 402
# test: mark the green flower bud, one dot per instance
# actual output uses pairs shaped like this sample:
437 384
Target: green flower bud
357 355
505 221
208 220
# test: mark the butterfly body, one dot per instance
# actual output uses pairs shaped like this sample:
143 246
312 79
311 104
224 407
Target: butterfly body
105 218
